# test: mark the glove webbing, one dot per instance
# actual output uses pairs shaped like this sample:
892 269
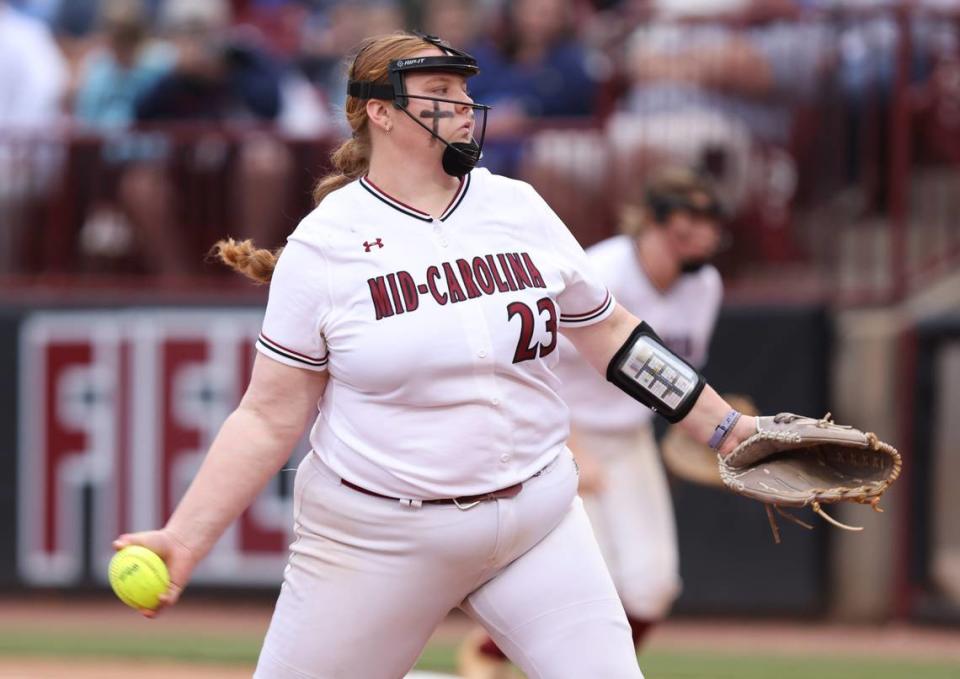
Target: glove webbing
815 506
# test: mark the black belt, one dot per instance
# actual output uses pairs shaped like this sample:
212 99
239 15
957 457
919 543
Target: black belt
464 502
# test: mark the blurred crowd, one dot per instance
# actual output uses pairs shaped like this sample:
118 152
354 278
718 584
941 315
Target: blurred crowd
720 85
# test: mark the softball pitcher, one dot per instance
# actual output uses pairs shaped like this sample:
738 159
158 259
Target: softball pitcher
418 307
658 268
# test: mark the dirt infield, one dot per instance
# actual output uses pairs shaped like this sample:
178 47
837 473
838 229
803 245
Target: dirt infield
32 668
92 668
246 623
109 615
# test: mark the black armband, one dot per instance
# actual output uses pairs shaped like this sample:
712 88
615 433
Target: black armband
649 372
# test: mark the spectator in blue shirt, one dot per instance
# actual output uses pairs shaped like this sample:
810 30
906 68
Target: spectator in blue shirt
218 78
535 68
128 64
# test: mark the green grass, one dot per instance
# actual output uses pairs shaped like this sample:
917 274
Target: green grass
441 658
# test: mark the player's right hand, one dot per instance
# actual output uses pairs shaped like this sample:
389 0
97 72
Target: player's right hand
179 559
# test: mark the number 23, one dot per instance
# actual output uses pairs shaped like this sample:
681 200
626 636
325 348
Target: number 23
524 351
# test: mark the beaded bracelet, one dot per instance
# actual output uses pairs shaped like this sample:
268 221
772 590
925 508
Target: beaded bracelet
723 429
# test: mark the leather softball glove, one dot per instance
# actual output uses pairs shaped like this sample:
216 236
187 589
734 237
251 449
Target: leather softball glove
796 461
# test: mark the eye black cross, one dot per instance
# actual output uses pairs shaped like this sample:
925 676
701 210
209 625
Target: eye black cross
436 114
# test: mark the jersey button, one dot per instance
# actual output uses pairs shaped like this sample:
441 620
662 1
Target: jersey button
495 401
505 458
482 353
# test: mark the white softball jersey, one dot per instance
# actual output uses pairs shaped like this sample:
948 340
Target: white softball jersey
683 317
440 335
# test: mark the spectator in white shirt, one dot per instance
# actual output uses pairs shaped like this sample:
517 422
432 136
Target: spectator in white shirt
33 79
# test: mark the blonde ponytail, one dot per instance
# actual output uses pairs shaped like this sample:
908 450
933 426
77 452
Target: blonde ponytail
255 263
634 220
351 160
371 63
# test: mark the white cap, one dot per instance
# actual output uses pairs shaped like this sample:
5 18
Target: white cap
695 8
187 14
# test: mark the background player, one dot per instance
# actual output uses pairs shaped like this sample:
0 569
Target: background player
658 270
419 304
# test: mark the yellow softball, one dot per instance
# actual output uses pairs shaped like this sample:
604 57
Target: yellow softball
138 577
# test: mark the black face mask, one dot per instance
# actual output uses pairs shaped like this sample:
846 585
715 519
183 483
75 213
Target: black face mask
692 265
460 157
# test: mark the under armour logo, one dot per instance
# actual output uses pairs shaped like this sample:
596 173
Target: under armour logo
367 245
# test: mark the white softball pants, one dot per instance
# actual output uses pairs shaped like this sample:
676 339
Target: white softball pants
633 520
368 580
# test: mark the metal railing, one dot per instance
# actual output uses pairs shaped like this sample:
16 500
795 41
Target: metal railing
860 201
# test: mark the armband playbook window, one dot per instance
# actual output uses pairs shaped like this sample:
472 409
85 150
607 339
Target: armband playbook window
648 371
